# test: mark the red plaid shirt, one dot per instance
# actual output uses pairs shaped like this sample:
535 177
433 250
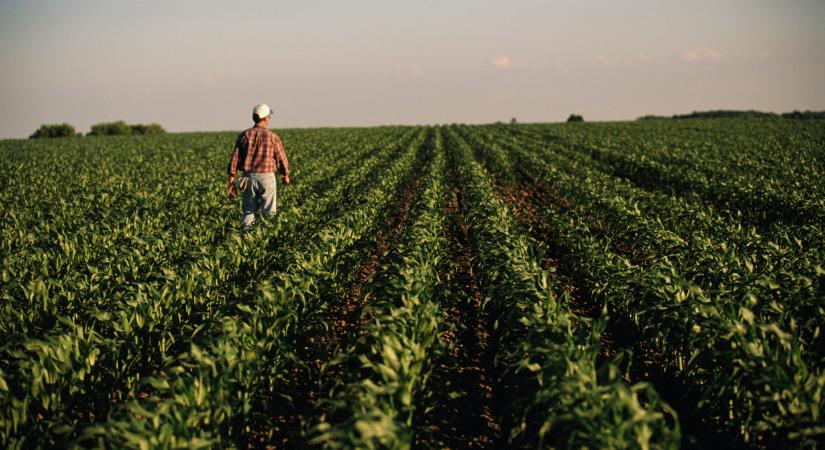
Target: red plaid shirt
258 150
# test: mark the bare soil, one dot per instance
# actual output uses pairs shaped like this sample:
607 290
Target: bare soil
464 382
529 202
290 415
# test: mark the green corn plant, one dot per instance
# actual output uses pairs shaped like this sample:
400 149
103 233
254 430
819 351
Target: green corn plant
544 349
383 389
725 349
254 348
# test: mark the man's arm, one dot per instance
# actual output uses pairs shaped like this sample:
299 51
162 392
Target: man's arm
280 158
232 168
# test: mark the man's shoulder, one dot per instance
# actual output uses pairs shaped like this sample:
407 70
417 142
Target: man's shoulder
270 134
260 130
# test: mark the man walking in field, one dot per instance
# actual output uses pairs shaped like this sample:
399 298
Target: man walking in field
258 153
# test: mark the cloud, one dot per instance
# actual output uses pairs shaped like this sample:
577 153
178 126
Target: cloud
501 61
701 54
603 60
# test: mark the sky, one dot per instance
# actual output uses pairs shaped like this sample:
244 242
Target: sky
193 66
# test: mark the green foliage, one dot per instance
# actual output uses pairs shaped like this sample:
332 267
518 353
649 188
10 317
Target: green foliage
152 128
723 113
662 262
805 115
118 128
571 401
177 304
575 118
55 130
121 128
134 313
385 390
735 114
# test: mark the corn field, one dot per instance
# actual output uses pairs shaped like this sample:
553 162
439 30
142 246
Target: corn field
653 285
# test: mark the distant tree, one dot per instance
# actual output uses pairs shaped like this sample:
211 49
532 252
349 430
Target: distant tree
724 113
54 130
152 128
121 128
513 121
575 118
653 117
749 114
110 129
806 115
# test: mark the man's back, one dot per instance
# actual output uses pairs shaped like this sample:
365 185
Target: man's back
258 150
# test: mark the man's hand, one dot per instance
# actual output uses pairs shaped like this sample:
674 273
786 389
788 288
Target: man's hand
285 179
232 192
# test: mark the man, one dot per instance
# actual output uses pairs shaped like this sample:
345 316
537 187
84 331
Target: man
258 153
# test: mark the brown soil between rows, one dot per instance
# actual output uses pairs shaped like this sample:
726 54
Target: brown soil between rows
346 316
527 201
524 201
305 384
467 418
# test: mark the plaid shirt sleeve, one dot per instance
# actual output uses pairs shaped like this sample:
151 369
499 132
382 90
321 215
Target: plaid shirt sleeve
232 169
280 155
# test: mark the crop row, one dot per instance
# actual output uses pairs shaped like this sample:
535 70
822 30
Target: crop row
134 316
563 396
102 276
747 369
214 393
384 385
132 334
768 180
86 268
718 257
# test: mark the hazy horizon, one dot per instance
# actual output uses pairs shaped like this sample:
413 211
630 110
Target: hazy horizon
202 66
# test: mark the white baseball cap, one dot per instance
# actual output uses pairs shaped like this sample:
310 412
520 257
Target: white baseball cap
262 110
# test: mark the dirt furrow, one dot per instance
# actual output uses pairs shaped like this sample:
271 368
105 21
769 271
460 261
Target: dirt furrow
466 416
529 203
290 409
289 416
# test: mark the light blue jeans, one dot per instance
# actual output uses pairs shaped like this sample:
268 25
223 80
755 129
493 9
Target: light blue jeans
260 195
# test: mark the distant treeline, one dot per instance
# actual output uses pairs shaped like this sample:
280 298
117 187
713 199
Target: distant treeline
118 128
54 130
749 114
122 128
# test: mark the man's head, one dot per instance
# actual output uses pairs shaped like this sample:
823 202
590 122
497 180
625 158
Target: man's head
261 113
